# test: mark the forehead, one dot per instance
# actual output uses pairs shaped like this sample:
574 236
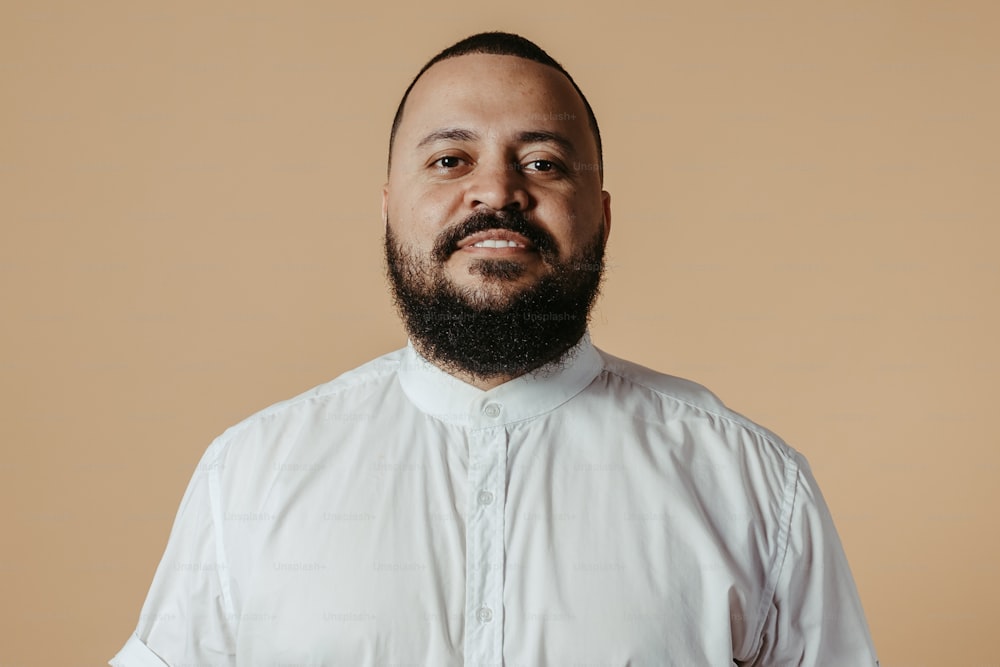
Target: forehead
493 92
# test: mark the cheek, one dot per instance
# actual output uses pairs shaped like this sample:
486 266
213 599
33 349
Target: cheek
571 222
584 234
417 217
431 210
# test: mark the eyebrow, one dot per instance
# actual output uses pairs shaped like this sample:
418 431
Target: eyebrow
525 137
448 134
546 137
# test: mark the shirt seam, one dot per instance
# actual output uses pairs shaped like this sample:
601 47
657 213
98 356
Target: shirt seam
324 391
523 420
215 502
513 422
790 487
792 474
728 416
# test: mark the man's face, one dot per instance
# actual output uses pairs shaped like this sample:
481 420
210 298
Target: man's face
494 133
495 217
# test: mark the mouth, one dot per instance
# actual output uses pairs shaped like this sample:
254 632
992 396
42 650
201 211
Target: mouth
495 242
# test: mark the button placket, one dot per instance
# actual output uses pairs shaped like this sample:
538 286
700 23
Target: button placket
485 545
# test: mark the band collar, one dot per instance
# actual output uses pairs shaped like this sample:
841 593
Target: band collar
449 399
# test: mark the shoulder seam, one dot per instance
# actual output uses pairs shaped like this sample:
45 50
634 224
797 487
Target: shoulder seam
338 385
728 415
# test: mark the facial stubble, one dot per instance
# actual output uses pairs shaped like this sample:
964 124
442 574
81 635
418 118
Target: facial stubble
500 328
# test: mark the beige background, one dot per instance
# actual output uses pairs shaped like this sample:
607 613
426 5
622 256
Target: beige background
805 200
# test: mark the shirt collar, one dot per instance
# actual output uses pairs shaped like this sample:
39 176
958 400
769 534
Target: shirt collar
451 400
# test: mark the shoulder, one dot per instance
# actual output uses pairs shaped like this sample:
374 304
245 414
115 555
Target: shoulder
672 399
668 386
343 399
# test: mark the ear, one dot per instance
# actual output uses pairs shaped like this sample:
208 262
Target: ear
606 205
385 204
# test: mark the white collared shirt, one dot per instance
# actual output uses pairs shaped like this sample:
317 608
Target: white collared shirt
595 513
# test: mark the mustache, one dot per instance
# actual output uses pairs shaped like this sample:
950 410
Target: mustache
481 221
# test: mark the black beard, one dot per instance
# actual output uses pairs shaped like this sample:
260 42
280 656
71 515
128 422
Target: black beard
491 336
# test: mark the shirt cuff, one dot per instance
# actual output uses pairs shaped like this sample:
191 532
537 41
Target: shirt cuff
136 654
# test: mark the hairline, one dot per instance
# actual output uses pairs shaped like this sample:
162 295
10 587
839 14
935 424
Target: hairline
400 110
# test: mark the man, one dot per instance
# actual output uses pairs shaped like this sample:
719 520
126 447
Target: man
500 492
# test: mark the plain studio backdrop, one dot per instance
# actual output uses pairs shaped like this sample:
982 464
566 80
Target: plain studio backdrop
805 221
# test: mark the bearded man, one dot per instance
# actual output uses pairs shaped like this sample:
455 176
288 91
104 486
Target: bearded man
500 491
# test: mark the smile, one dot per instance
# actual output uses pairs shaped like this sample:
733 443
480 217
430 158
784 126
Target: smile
495 239
496 243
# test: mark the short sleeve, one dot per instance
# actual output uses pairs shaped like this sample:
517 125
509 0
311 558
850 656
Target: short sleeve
815 617
188 616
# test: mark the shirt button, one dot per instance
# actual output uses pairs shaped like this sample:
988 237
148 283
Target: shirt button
492 410
485 497
484 615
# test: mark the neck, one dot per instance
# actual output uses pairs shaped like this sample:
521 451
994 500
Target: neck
482 383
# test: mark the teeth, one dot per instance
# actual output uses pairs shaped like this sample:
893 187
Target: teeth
495 243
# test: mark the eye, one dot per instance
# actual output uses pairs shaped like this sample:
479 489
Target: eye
541 165
447 162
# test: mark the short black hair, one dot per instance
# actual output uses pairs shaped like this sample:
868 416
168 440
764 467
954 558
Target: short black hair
499 44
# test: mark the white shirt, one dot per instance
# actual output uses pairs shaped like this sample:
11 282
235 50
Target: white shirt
597 513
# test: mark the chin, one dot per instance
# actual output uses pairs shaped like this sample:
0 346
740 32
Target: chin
492 293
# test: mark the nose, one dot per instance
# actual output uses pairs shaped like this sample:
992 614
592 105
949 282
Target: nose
498 184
